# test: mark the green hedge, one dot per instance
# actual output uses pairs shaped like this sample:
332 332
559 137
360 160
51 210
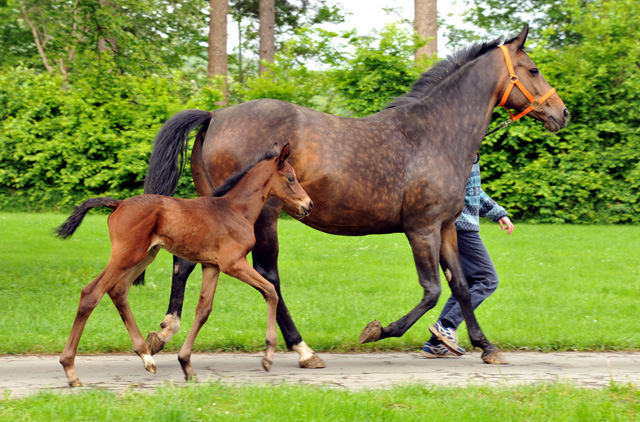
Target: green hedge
62 142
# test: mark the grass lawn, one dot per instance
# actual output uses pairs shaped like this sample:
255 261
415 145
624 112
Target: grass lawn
215 402
562 287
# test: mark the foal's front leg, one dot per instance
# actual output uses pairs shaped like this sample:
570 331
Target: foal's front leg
241 270
210 276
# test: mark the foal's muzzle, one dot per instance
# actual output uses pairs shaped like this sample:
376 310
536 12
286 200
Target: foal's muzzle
305 210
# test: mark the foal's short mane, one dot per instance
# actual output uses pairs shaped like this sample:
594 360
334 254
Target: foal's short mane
233 180
443 69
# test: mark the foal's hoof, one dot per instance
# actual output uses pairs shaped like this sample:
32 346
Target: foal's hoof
371 332
266 364
314 362
494 357
76 383
149 363
155 342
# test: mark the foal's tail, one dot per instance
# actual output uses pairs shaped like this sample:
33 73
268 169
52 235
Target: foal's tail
73 222
168 158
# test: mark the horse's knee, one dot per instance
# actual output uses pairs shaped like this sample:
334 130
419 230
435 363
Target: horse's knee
432 292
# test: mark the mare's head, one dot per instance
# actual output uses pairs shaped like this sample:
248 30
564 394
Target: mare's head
538 97
285 186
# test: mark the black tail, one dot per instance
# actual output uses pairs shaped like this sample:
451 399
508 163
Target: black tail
168 158
169 155
73 222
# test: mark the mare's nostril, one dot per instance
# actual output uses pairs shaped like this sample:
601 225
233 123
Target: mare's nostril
310 205
565 113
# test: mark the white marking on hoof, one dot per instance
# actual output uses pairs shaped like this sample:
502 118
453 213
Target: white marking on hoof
303 350
170 326
149 363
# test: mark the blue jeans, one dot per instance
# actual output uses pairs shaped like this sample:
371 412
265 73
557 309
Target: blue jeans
480 273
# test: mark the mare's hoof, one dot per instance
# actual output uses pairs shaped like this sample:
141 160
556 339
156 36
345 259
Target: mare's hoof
371 332
494 358
314 362
192 378
155 342
76 383
266 364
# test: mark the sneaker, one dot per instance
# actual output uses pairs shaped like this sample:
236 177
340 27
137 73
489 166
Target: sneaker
448 337
438 351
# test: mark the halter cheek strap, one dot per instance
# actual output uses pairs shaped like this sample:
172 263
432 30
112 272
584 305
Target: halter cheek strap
515 81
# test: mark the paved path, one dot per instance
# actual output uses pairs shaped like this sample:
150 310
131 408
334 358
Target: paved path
22 375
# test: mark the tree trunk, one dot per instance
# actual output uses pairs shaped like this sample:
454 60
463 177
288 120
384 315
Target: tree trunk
425 24
267 34
217 65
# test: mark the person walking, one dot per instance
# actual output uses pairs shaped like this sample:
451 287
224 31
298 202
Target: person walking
476 263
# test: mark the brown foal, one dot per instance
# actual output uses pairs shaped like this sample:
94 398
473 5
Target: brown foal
217 232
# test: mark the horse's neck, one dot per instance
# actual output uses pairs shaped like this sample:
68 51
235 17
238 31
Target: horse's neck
459 111
250 193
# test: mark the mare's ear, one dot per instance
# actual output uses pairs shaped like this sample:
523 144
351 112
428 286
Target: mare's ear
518 41
275 148
284 154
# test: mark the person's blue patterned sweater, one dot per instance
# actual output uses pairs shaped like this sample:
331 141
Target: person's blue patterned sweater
477 204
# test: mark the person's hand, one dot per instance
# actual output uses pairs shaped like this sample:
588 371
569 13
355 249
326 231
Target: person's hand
506 224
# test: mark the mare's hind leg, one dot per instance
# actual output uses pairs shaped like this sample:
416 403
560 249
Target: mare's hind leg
210 276
171 323
241 270
119 295
450 262
425 246
265 261
89 299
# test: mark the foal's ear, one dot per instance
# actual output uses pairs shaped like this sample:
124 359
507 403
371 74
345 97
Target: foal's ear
284 154
518 41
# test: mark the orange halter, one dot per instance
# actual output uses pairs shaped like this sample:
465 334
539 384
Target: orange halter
515 81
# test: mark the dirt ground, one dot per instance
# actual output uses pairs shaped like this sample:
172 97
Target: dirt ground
23 375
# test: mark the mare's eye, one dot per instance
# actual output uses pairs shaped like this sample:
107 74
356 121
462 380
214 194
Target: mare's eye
534 71
291 179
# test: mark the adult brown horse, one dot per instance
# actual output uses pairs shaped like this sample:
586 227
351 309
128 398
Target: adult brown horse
403 169
215 231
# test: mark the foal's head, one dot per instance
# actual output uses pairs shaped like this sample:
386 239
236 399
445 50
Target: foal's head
285 186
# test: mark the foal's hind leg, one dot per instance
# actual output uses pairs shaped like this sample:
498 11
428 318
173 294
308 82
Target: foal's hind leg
450 262
210 276
241 270
171 323
89 299
119 296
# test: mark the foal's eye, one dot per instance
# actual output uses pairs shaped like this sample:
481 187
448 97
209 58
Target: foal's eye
291 179
534 71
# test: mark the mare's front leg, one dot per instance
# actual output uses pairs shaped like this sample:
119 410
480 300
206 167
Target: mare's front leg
156 340
265 261
450 262
241 270
210 275
425 246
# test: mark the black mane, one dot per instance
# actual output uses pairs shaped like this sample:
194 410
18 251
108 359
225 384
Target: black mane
233 180
443 69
